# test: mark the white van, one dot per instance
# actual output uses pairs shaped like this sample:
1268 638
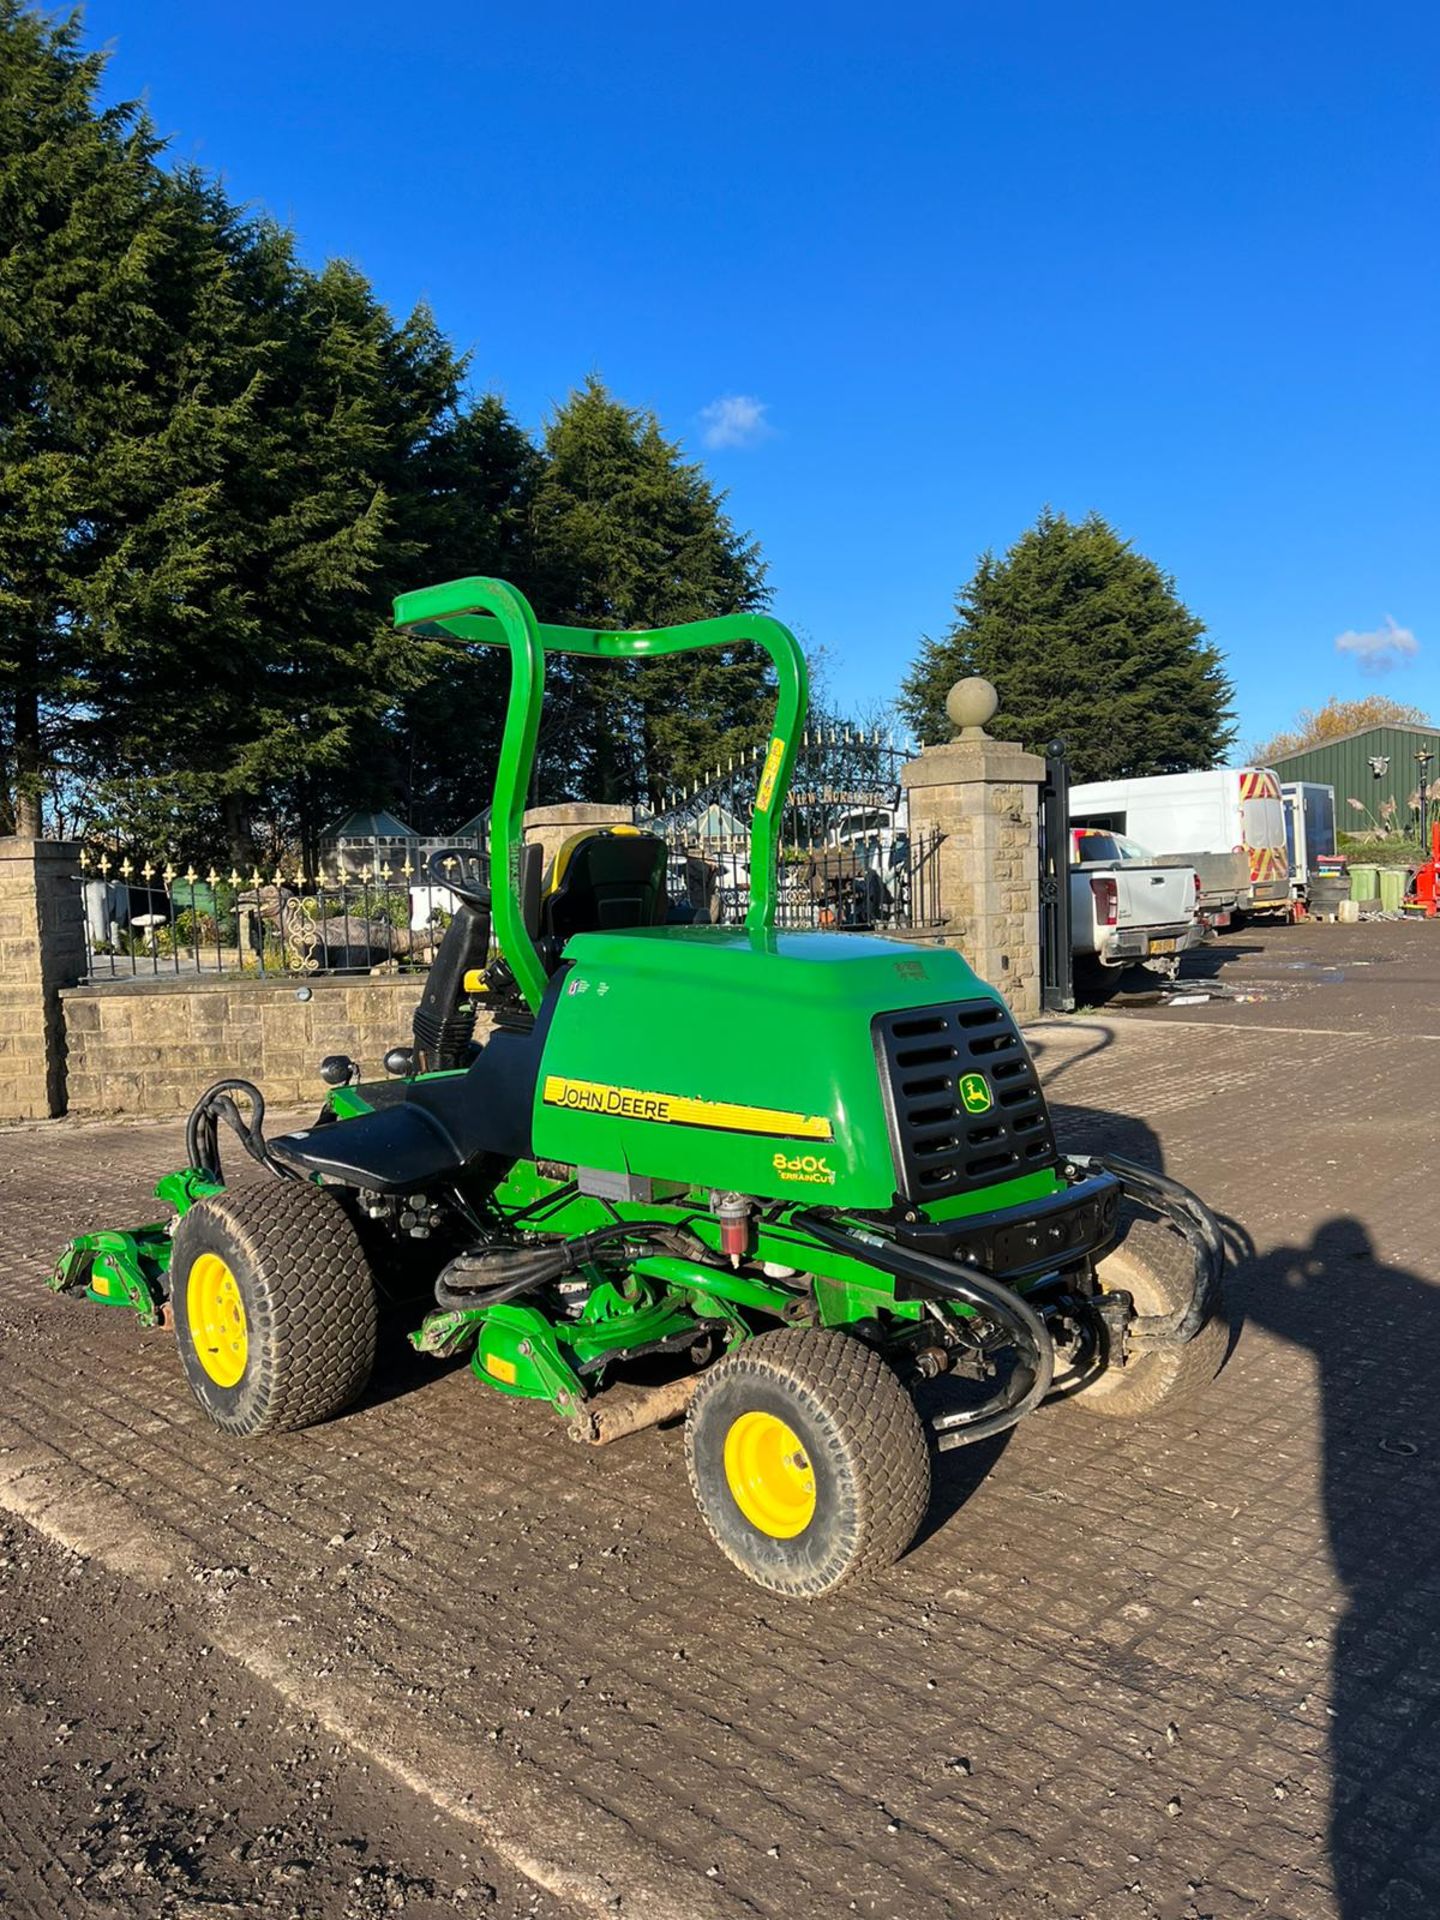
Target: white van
1229 823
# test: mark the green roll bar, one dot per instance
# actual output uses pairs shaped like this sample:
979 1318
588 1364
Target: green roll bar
491 613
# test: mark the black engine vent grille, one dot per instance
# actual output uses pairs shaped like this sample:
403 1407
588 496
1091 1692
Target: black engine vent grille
931 1059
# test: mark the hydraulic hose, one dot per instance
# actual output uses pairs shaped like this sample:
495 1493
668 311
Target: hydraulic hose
202 1133
485 1276
966 1283
448 1293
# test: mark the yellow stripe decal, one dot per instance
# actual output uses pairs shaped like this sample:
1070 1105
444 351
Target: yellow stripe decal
677 1110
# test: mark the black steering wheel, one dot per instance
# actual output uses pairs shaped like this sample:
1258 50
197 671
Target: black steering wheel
464 871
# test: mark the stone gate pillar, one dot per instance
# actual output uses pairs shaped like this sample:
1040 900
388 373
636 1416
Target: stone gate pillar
42 949
983 797
553 826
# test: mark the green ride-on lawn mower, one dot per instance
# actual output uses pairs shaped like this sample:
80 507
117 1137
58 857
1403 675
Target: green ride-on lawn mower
779 1183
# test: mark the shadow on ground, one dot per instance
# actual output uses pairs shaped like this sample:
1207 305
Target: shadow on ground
1137 984
1373 1330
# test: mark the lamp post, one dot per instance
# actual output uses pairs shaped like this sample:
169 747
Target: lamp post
1422 760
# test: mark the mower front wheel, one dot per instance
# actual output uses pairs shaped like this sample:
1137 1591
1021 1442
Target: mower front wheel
1156 1266
807 1459
274 1304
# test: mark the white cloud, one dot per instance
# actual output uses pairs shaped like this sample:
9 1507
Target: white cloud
735 420
1388 646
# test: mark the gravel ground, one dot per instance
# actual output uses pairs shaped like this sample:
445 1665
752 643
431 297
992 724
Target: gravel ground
146 1774
1187 1670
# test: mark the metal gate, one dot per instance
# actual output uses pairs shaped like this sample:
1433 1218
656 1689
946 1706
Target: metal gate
847 858
1057 989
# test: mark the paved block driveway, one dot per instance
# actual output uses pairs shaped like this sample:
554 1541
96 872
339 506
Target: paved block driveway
1185 1669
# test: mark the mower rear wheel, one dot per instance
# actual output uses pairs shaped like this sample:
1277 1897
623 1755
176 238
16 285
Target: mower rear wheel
1155 1265
274 1305
807 1459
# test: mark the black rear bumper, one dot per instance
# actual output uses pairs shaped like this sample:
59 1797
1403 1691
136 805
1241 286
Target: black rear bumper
1078 1223
1014 1243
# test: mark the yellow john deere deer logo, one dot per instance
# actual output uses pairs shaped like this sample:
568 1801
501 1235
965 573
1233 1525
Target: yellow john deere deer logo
975 1094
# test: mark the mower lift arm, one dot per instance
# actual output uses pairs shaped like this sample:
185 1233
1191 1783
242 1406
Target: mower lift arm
482 612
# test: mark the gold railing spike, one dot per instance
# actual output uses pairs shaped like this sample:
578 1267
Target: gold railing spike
125 867
104 863
255 879
279 876
148 870
169 874
191 876
235 879
213 877
84 859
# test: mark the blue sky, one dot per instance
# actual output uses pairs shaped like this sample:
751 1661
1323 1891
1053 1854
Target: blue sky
1174 262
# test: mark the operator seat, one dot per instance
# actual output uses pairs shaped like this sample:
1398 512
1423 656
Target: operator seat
603 879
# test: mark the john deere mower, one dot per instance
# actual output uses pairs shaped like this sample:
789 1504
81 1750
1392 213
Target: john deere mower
801 1188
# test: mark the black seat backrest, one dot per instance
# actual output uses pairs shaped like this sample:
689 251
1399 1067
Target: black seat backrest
603 880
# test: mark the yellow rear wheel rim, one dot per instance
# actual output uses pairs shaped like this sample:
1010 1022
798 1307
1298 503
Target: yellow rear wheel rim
216 1314
769 1475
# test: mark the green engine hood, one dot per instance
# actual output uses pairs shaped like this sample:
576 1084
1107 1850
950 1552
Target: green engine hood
731 1059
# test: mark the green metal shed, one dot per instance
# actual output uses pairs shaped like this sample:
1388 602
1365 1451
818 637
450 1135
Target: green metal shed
1368 769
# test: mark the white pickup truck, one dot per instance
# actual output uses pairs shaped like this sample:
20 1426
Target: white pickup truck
1127 906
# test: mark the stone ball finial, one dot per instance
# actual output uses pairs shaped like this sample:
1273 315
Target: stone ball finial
970 703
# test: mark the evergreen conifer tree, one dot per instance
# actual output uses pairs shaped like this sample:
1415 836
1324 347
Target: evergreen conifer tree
630 534
218 466
1085 641
91 238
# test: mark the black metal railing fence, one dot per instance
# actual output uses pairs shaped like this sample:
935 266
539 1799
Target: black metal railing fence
144 918
848 861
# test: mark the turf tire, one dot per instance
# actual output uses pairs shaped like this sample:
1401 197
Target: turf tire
1156 1266
864 1440
309 1301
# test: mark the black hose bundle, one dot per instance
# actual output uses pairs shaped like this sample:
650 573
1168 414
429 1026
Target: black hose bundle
484 1276
1031 1378
202 1129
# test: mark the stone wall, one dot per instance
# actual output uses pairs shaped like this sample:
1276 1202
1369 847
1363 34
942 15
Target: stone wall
42 950
136 1048
149 1047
